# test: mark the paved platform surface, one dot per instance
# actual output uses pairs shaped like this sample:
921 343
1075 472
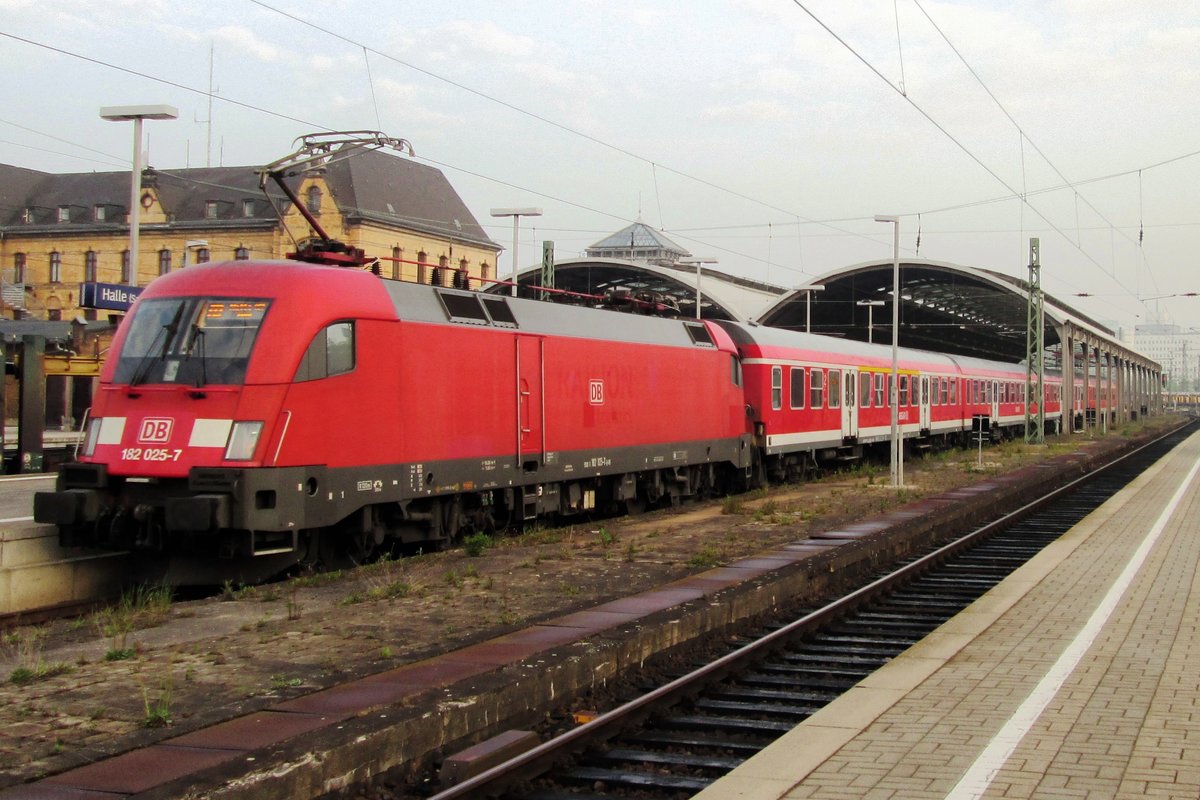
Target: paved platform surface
1077 677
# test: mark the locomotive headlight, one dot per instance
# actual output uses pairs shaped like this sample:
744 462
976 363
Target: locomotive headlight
93 434
242 440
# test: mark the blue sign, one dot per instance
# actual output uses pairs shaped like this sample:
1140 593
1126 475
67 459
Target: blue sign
111 296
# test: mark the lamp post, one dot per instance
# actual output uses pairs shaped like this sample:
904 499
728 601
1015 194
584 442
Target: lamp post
697 262
870 304
897 450
516 214
808 290
136 114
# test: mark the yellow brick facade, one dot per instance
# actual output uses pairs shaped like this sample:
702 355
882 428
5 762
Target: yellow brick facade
51 264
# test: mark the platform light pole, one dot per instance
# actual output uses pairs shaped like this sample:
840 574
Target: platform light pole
897 459
516 214
870 304
697 262
136 114
808 293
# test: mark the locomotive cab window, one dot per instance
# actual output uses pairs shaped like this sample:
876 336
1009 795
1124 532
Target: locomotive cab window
330 353
190 340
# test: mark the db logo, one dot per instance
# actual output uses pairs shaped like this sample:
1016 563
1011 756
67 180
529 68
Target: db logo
155 430
596 392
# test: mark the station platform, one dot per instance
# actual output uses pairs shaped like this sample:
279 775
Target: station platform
1076 677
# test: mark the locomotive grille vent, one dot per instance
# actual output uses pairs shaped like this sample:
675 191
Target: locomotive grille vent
463 308
475 310
498 310
699 334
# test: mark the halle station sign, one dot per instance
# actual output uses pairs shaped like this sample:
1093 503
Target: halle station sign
110 296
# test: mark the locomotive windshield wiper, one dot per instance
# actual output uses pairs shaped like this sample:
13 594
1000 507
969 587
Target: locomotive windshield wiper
165 335
196 348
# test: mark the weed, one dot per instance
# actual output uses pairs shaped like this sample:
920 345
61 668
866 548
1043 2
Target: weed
293 605
606 537
568 589
509 617
316 579
706 558
386 591
630 553
283 682
451 578
24 675
269 594
476 543
119 654
471 571
385 652
158 709
733 504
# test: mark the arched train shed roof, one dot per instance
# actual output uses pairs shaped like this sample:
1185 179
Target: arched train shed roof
722 296
944 307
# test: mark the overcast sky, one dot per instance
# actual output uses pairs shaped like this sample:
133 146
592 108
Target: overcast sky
766 134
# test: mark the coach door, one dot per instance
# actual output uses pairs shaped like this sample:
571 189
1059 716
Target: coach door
849 404
531 433
925 404
995 398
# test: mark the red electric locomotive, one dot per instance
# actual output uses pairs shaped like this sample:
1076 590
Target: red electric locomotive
269 412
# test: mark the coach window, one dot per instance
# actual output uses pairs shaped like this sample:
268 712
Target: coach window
864 389
776 388
880 389
330 353
945 391
816 388
797 381
735 370
903 401
954 391
835 388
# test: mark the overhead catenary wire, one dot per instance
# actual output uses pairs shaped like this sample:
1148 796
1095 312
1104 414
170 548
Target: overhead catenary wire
955 140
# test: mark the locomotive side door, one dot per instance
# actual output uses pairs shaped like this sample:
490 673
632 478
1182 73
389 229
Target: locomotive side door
926 402
849 404
531 408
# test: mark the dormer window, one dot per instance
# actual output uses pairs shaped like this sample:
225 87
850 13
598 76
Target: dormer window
312 199
64 213
212 209
99 213
247 208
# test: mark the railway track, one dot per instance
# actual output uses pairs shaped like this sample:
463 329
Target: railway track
677 739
